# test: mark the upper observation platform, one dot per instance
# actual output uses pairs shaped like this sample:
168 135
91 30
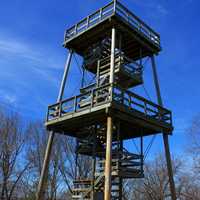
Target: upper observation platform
136 37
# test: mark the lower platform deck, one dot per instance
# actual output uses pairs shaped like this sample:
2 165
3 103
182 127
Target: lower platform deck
137 116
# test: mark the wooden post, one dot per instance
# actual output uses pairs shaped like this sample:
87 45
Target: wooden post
108 163
112 63
43 178
165 136
112 56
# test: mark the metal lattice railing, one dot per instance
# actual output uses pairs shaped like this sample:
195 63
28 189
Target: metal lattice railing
103 95
113 8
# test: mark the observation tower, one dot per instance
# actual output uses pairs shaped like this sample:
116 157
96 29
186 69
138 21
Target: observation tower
113 43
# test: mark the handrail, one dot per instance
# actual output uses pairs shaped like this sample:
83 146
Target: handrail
100 11
138 19
74 104
160 110
102 14
147 101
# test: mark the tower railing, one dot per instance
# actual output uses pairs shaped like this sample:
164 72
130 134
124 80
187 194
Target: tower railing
90 21
86 100
102 95
137 23
113 8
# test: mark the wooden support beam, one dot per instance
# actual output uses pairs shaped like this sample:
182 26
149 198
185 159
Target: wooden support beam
108 163
165 136
112 57
40 195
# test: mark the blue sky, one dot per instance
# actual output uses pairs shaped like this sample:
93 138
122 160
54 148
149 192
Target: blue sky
32 58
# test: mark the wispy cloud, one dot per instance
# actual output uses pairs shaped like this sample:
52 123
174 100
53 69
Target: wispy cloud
24 67
7 97
10 47
10 98
45 75
162 10
37 59
158 7
162 7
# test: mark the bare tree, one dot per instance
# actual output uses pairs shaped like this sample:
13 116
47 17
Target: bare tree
190 181
37 136
194 143
12 166
189 187
70 166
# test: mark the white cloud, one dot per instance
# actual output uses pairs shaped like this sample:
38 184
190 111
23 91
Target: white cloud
9 47
10 98
7 97
14 48
157 6
162 10
45 75
37 59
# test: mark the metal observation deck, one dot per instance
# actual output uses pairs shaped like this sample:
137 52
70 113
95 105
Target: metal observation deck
136 112
96 26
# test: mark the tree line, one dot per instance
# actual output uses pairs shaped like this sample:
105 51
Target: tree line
22 148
